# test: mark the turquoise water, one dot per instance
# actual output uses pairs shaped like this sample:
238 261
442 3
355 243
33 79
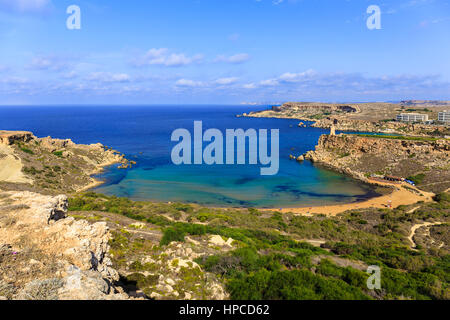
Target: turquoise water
143 134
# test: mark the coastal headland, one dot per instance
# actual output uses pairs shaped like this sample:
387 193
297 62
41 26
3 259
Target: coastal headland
418 152
364 117
52 166
90 246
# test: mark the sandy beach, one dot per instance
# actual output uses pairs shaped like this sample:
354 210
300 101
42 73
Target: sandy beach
399 196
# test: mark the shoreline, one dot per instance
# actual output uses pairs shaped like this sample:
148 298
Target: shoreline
95 182
399 196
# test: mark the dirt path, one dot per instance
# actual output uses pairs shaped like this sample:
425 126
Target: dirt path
399 196
413 209
415 227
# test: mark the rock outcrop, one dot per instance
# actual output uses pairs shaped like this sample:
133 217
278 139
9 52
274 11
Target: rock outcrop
315 107
9 137
380 127
51 166
363 117
361 156
46 255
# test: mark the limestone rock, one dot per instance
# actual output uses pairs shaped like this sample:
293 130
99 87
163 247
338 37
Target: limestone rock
9 137
83 267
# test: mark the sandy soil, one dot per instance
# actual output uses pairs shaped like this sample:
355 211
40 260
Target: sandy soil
11 167
399 196
95 182
417 226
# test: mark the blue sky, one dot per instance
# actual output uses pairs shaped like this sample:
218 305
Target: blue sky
223 51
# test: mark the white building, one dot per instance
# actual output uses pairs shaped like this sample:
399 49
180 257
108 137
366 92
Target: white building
444 116
412 117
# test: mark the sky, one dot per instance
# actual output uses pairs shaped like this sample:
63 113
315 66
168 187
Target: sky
222 51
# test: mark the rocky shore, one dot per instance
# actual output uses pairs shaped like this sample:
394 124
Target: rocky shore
363 117
51 166
381 127
362 157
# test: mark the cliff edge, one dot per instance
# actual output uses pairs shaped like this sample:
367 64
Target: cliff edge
426 161
45 255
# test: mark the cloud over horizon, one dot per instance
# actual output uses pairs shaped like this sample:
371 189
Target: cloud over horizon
24 6
164 57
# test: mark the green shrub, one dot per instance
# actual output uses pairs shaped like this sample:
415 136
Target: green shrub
172 234
26 150
417 179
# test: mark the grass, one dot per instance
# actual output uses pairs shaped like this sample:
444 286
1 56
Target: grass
26 150
417 179
268 256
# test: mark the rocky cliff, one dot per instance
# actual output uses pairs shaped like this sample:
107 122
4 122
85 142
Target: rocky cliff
9 137
51 166
316 108
362 156
381 127
363 117
46 255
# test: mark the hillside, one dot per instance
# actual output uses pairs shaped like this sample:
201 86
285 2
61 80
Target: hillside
93 246
51 166
424 160
365 117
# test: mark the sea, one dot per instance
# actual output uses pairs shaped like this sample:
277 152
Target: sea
143 134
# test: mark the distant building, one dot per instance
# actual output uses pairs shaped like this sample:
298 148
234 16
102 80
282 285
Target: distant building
444 116
412 117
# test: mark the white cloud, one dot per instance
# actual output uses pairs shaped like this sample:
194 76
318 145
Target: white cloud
237 58
15 81
269 82
294 77
226 81
108 77
188 83
52 63
70 75
162 56
249 86
25 5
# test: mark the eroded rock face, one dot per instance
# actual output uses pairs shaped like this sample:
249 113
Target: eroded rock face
52 166
379 126
9 137
69 258
317 107
359 156
55 144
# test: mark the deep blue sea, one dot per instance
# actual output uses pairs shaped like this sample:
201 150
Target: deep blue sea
143 134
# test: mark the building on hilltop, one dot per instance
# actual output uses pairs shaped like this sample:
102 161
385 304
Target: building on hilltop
444 116
412 117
